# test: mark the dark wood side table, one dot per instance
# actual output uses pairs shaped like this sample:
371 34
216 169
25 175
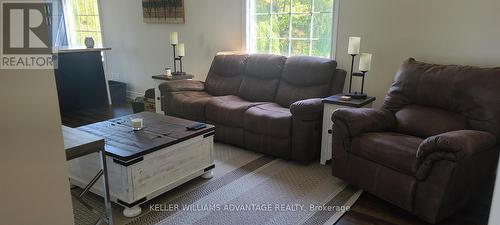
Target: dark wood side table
158 79
77 144
331 104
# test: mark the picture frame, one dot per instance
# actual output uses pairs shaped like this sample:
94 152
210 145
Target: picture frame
163 11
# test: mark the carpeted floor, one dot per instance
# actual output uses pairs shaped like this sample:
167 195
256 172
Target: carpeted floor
247 188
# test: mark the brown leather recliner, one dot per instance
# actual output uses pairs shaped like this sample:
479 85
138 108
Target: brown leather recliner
267 103
431 147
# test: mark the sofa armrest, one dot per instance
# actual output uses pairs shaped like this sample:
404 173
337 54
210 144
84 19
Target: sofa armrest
359 120
307 108
182 85
452 146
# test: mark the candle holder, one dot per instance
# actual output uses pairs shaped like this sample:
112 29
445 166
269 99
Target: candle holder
137 124
352 67
358 95
180 72
175 72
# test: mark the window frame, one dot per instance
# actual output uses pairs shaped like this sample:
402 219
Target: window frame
247 31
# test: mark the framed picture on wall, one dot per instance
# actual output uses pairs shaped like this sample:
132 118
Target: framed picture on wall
163 11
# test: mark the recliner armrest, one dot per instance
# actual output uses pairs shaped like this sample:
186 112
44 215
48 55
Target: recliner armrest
182 85
307 108
360 120
452 146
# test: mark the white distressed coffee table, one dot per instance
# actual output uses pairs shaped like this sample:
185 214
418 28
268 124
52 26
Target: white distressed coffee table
147 163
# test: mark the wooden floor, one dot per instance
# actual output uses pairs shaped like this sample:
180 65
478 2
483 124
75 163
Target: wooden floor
84 117
368 210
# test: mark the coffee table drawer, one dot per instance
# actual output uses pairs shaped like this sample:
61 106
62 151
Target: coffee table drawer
163 168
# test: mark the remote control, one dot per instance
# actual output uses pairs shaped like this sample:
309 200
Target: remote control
196 126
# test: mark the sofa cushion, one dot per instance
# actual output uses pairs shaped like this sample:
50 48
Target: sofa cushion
393 150
386 183
225 75
269 119
261 78
270 145
228 110
305 77
424 121
189 105
230 135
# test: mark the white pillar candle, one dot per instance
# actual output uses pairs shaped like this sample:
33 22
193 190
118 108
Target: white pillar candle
174 38
180 50
354 44
365 62
137 123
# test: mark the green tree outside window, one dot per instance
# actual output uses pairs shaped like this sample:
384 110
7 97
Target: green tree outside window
84 22
291 27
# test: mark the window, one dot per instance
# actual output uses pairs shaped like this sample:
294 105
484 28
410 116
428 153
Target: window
290 27
82 21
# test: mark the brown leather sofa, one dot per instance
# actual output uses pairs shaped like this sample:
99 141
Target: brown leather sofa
431 147
267 103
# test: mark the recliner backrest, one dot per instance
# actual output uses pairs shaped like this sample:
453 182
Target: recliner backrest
305 77
261 79
429 99
225 74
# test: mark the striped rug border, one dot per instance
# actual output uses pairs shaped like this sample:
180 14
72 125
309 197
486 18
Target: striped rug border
349 203
154 217
340 199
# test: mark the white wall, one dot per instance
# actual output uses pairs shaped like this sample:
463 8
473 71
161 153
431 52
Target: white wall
141 50
445 31
34 186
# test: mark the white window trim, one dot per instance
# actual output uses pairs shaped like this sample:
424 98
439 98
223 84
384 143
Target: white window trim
246 27
68 20
335 28
245 37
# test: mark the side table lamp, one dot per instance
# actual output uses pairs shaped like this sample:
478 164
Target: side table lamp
364 67
179 49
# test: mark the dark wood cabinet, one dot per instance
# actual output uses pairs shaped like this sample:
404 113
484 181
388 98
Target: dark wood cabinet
80 79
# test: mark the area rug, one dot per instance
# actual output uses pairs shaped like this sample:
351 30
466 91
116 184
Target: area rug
248 188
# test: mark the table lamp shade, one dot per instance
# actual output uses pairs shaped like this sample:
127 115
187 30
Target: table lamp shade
181 50
354 45
174 38
365 62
